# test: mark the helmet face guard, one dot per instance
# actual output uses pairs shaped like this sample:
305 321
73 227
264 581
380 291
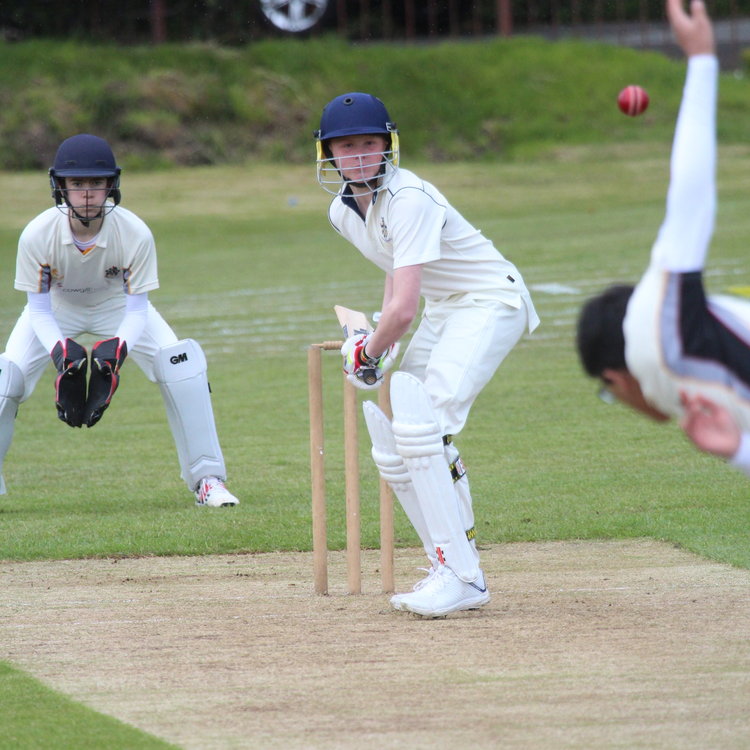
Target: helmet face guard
332 180
85 156
355 114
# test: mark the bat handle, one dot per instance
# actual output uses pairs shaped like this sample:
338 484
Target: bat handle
369 377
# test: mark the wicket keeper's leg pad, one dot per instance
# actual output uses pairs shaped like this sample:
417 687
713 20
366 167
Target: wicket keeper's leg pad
11 392
182 374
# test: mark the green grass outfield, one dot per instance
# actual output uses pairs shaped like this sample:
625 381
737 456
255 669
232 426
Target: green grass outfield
250 268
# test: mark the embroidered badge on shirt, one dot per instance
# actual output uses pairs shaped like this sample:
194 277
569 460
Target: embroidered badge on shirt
112 273
384 230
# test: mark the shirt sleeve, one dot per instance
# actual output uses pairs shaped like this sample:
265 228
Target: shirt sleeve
141 273
684 237
32 267
741 459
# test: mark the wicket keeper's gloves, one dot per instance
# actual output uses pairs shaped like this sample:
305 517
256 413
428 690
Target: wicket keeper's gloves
106 359
71 361
363 371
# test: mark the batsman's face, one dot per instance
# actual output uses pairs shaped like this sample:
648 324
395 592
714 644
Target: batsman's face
86 194
358 157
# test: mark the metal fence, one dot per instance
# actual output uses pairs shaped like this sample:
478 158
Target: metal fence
236 22
635 23
414 19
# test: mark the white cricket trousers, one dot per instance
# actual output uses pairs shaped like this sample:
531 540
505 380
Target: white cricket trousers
457 348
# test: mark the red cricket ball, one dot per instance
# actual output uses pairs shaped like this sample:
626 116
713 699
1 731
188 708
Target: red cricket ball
632 101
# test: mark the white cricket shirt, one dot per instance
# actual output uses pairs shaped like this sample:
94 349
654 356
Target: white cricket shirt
675 338
410 223
122 261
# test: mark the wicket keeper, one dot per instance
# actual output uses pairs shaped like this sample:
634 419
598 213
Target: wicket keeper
87 265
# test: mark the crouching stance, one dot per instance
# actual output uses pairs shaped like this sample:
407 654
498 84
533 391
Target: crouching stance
476 308
87 266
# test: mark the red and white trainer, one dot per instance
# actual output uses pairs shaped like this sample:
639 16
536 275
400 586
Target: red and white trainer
211 493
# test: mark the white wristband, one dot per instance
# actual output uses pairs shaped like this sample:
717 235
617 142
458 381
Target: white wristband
134 321
741 459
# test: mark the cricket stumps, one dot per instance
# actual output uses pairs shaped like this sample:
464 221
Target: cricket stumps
351 481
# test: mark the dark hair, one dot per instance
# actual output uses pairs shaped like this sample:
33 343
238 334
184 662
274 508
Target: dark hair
599 337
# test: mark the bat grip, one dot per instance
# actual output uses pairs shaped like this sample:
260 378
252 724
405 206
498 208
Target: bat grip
369 377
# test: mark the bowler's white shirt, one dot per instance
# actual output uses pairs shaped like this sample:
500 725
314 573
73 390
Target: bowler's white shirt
656 353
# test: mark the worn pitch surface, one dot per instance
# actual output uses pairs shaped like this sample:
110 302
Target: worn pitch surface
632 644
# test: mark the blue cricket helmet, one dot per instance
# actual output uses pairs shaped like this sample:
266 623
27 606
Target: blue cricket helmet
354 114
84 155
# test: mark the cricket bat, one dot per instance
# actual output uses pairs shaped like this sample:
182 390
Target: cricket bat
352 323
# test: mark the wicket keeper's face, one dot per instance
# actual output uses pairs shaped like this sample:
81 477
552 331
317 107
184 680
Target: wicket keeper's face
358 158
86 195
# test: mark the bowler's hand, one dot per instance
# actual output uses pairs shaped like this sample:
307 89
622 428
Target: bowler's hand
693 31
711 427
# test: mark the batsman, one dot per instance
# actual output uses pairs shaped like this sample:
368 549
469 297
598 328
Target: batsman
476 308
87 265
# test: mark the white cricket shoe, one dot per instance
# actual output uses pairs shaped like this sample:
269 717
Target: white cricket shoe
211 493
396 598
444 593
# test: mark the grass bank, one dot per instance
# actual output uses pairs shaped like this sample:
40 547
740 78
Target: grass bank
492 99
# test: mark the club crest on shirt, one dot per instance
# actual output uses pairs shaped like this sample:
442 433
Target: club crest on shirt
112 272
384 230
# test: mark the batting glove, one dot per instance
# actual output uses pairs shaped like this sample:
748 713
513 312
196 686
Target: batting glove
71 361
106 359
363 371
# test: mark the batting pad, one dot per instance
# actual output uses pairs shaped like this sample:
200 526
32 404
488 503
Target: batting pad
11 393
181 373
419 442
461 486
393 470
